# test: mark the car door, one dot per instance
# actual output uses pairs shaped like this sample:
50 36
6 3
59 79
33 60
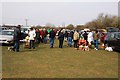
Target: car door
118 40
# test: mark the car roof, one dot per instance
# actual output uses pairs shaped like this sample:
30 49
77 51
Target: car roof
26 27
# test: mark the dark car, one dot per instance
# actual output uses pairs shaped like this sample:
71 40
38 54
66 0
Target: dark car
112 29
113 40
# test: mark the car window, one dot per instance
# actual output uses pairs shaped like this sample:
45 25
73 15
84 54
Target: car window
0 32
115 35
118 36
7 33
112 29
24 29
112 35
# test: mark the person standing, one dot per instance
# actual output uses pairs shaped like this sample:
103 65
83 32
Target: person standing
32 36
70 39
85 35
37 36
52 36
61 39
76 38
41 35
102 38
96 37
59 31
90 38
45 35
17 36
66 36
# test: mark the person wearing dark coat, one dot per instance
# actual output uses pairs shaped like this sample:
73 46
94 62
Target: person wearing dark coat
61 39
45 36
17 37
70 35
37 36
59 32
85 35
66 36
52 36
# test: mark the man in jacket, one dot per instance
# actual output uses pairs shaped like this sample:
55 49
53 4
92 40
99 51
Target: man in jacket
76 38
70 35
61 38
52 36
96 37
37 36
17 36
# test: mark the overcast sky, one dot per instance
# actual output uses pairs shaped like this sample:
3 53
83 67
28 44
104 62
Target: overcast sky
57 13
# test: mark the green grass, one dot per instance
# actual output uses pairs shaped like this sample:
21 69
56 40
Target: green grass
44 62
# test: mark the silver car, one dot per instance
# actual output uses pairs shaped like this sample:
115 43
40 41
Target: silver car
6 37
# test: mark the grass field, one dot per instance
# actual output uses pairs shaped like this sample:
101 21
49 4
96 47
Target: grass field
44 62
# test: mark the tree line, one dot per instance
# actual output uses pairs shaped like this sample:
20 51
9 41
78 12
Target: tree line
102 21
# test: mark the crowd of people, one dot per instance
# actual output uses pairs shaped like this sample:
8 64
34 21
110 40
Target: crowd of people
79 40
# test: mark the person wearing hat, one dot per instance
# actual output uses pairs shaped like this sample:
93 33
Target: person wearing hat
17 36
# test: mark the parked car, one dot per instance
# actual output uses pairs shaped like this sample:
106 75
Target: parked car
6 37
25 29
113 40
112 29
2 28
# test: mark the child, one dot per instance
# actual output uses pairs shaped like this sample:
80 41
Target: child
82 43
27 42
